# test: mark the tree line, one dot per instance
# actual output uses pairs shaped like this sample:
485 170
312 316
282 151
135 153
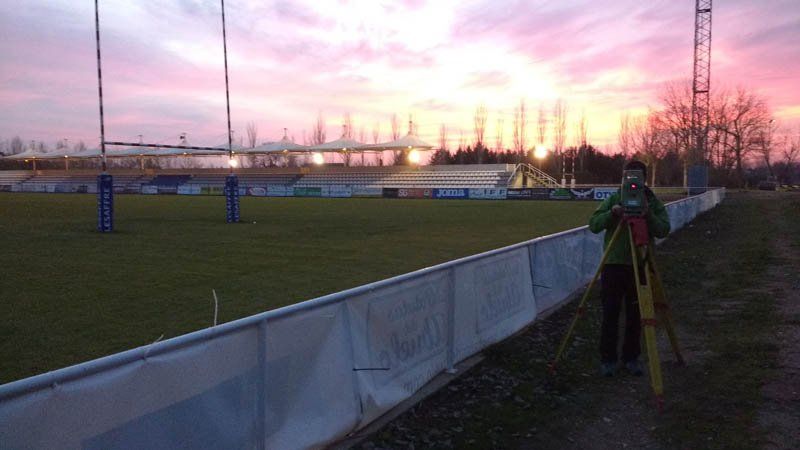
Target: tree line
746 143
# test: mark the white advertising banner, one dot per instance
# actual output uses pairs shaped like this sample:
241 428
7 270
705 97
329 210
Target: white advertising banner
400 339
279 191
189 189
311 394
488 193
204 395
557 267
602 193
493 300
337 191
592 253
364 191
149 189
256 191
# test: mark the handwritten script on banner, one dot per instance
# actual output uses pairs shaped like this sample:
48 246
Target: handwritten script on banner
407 328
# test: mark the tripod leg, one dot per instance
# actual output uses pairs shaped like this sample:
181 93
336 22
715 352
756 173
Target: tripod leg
662 307
582 304
644 289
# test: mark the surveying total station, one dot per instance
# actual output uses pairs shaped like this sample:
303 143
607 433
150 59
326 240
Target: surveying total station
649 288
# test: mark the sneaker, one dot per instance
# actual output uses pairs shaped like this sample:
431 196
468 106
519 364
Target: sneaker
634 367
608 369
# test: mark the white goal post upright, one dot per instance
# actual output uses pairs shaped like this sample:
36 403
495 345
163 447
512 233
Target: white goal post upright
105 189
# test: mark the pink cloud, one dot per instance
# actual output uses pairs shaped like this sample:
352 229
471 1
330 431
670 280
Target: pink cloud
289 60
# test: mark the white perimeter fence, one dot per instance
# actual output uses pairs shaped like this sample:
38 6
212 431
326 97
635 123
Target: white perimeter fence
307 374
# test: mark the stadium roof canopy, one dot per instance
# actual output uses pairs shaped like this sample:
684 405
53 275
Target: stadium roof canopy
282 146
342 144
235 147
186 152
409 141
28 154
131 151
87 153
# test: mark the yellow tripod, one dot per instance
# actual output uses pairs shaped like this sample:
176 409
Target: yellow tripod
651 297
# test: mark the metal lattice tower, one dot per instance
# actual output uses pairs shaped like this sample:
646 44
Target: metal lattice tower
701 83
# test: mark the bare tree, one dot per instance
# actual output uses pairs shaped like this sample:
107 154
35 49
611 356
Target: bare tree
318 131
791 150
252 134
625 137
520 125
395 127
741 118
443 137
362 137
582 130
559 129
17 146
251 130
479 126
648 139
765 143
676 115
541 125
498 135
581 133
462 141
78 147
376 132
348 131
479 123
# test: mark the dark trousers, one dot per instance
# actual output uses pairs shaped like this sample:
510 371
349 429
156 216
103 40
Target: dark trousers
618 286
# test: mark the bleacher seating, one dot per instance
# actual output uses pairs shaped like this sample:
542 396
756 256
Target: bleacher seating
10 178
69 182
168 181
420 179
245 179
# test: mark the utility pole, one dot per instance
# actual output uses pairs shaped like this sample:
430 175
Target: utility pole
701 86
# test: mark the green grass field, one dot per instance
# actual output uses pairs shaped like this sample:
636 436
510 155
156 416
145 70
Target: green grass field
71 294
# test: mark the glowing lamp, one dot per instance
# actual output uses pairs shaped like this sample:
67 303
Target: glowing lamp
413 157
540 152
233 163
318 159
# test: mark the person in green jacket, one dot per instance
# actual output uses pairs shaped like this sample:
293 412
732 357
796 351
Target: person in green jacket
618 286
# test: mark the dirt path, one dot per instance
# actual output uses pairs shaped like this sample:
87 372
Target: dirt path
734 291
780 413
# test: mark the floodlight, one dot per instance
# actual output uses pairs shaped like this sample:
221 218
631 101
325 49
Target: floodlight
540 152
413 157
233 163
318 159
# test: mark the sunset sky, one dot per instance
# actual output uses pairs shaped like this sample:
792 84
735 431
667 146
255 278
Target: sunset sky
437 60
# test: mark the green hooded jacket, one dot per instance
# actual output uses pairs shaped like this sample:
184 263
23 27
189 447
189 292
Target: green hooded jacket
603 219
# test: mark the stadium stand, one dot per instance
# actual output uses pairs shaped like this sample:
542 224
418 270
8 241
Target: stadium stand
9 178
168 181
65 182
422 178
245 179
